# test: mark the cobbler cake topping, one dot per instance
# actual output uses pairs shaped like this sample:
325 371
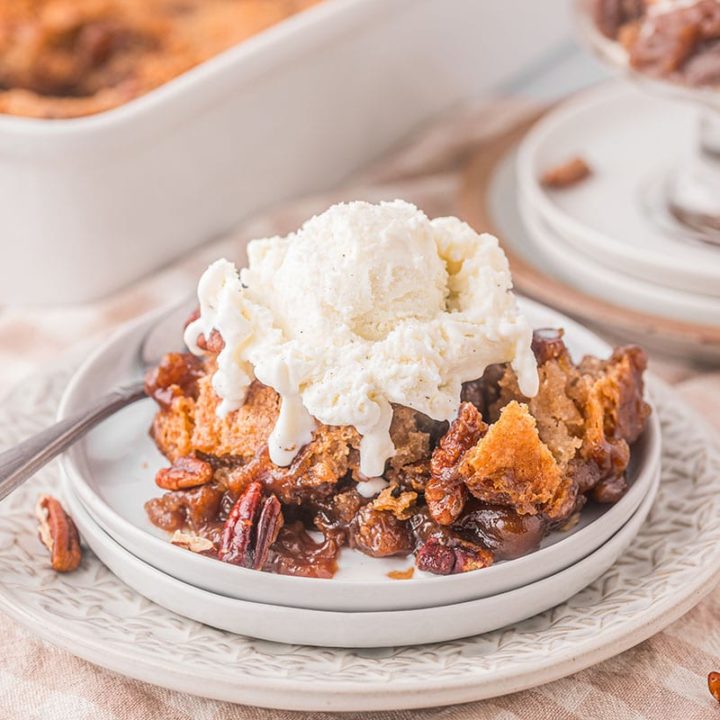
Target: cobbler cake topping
364 307
373 321
68 58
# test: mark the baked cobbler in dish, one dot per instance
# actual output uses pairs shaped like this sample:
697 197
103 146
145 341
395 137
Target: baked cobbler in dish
67 58
397 404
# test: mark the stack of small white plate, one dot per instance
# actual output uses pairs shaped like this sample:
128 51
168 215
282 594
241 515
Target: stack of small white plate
110 475
608 235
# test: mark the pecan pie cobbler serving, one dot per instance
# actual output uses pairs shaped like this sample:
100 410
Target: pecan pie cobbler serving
67 58
369 383
673 39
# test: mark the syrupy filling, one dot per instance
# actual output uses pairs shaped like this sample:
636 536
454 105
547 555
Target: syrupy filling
487 487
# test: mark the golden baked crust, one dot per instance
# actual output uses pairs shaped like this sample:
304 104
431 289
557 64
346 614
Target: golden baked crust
241 432
312 475
512 466
67 58
587 414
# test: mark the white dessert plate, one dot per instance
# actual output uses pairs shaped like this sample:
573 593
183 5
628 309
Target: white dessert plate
672 563
112 471
630 138
355 629
688 341
582 271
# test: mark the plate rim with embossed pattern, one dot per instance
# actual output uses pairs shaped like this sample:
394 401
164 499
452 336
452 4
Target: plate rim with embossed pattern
673 563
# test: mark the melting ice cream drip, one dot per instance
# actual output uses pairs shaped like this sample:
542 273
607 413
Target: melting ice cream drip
365 306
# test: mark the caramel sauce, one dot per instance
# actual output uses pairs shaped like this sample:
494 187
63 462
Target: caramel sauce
402 574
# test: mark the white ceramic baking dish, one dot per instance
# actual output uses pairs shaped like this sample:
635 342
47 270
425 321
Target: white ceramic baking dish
90 204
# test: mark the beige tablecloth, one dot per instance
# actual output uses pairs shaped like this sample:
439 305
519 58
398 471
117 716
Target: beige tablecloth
663 678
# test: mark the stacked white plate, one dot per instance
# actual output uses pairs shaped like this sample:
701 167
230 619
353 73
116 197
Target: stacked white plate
609 235
110 475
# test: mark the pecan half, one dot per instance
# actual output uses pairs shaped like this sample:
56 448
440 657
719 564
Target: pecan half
436 558
713 681
214 344
175 376
445 492
193 508
251 528
548 344
441 559
185 472
58 533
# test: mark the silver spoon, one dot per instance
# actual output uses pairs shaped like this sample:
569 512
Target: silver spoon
22 461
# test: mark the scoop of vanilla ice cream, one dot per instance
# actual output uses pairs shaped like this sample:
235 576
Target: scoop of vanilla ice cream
365 306
359 268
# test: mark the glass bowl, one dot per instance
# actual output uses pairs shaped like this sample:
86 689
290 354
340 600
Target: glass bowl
686 200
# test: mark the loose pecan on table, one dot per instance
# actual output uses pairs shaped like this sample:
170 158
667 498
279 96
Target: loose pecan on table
59 534
713 681
251 528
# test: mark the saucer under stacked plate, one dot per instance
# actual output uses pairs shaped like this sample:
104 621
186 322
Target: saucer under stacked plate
583 271
111 472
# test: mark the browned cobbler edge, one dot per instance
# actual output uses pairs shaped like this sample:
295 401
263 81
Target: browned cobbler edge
488 487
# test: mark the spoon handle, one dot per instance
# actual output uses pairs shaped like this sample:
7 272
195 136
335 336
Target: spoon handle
22 461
